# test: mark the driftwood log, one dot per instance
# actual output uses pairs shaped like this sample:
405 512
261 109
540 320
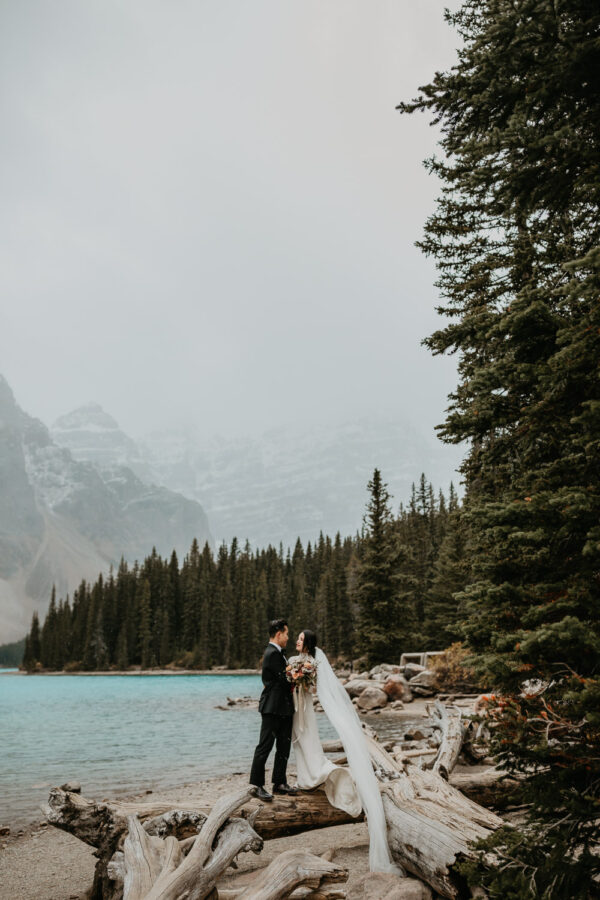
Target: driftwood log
430 823
448 720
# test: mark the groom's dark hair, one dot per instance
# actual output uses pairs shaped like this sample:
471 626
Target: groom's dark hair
276 625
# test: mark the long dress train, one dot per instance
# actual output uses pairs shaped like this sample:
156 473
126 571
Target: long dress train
313 767
351 789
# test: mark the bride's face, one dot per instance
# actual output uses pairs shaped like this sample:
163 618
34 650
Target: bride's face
300 642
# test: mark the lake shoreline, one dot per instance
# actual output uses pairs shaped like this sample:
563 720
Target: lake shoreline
144 672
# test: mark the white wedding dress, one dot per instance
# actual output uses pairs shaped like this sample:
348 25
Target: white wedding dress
353 788
312 766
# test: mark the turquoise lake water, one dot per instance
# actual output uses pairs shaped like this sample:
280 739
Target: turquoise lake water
119 734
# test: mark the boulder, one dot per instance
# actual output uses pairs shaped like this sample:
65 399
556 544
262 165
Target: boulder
422 690
357 686
380 677
424 684
425 676
396 687
372 698
380 886
412 669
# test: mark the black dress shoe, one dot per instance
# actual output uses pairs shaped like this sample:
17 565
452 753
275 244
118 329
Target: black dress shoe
284 789
262 794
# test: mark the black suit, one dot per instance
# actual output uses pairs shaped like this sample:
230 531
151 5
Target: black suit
276 707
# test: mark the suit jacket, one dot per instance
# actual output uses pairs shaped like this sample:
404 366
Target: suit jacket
276 697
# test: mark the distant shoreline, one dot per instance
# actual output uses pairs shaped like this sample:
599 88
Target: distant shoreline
134 672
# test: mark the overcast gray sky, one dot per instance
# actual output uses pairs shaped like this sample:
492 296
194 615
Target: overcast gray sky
209 210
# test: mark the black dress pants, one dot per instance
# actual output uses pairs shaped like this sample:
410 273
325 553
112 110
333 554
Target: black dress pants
274 730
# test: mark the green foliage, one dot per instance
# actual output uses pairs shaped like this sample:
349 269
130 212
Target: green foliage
385 608
516 237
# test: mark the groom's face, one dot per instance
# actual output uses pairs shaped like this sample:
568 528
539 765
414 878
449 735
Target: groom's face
281 637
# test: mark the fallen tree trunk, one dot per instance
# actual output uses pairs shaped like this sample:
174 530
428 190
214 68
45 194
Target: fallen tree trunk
430 823
489 787
448 720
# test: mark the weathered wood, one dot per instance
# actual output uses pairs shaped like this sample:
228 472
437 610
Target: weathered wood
430 823
291 815
92 822
144 858
489 786
195 876
448 720
290 870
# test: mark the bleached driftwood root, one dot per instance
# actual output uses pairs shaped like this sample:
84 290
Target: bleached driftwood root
105 825
156 869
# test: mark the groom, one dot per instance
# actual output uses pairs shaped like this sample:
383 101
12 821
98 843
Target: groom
276 707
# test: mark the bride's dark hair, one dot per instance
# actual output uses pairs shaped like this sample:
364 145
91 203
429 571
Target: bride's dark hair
310 641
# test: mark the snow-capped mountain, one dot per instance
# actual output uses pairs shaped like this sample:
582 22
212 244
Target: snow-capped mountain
64 519
285 484
92 435
292 483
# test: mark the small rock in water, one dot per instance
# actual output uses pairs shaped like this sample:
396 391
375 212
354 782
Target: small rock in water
73 787
4 829
149 792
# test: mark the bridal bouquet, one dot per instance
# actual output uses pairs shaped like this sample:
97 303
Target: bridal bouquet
301 672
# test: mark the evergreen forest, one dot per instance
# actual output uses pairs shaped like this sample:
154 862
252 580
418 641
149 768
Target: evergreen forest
387 590
515 235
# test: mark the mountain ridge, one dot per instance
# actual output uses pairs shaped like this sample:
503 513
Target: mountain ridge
63 519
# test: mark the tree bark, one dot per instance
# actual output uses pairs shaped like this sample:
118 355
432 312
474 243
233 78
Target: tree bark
430 823
290 870
448 720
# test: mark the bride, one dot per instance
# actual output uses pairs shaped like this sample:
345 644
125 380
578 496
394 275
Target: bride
351 789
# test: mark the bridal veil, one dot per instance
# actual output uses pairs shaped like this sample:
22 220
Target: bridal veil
338 708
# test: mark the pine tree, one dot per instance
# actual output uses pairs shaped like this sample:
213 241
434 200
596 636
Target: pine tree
121 654
451 572
384 617
49 634
145 625
33 647
516 236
